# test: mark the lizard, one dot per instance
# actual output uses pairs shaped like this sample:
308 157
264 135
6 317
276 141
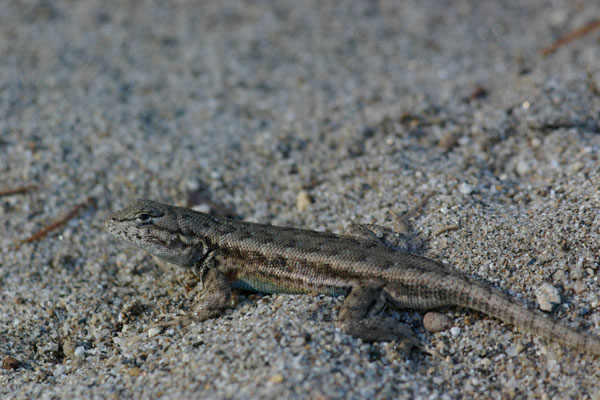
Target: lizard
227 254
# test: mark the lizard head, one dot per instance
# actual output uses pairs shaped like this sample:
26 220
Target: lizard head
159 229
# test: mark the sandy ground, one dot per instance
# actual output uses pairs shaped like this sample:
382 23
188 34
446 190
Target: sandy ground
362 108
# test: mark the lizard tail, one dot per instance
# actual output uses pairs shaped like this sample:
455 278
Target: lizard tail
497 304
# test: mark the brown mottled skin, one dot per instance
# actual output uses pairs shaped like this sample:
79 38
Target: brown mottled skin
272 259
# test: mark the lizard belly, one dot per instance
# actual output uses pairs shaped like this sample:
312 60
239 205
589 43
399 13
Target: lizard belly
256 284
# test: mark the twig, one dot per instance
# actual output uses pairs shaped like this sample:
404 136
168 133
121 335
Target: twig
447 228
48 228
17 190
584 30
402 220
418 208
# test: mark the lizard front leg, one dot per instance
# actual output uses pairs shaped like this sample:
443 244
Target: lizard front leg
214 297
212 300
358 318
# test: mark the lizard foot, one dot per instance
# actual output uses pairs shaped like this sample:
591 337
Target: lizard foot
379 329
180 320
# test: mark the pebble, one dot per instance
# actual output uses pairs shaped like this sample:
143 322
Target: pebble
10 363
455 331
548 297
302 200
277 378
436 322
522 168
465 188
514 350
559 275
485 363
154 331
79 351
68 348
579 287
448 141
83 113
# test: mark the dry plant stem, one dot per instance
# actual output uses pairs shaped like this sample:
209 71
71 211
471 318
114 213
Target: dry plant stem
17 190
56 224
585 30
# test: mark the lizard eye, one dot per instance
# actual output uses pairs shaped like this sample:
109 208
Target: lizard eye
144 217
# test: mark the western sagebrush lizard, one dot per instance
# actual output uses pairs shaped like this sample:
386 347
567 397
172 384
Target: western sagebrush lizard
273 259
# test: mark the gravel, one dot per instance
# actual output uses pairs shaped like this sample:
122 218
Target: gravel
310 114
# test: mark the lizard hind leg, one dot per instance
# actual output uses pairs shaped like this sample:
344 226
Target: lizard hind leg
386 238
358 318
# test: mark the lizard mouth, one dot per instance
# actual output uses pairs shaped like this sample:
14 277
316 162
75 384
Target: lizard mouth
111 226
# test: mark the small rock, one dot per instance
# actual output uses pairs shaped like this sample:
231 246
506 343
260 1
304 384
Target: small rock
559 275
278 378
133 309
553 366
68 348
112 361
436 322
465 188
302 200
576 166
79 351
192 185
455 331
579 287
522 168
59 370
514 350
577 272
485 362
154 331
279 301
10 363
448 141
548 297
